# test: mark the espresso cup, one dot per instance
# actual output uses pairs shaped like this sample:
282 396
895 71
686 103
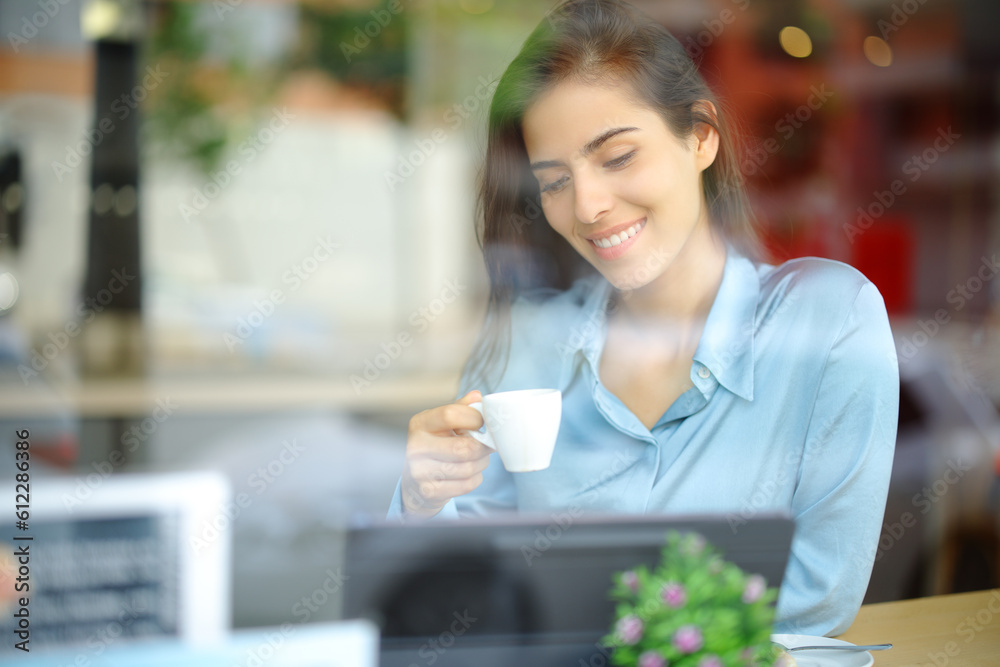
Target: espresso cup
521 426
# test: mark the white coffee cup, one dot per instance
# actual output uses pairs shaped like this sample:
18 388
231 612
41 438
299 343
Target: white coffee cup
521 426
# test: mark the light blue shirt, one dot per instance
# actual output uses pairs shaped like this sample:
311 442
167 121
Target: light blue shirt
794 407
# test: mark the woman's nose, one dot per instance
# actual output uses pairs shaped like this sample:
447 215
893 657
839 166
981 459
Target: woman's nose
593 198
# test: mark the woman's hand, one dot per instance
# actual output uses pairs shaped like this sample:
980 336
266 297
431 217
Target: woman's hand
440 463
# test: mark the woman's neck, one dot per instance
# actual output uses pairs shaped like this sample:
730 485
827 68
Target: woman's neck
682 295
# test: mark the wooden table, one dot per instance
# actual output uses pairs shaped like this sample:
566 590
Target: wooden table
961 630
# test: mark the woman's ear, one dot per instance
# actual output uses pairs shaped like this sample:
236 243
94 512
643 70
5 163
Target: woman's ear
706 137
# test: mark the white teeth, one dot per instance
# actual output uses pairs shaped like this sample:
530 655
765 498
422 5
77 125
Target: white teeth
619 238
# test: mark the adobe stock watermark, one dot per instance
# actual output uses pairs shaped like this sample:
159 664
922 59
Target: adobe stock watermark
332 584
654 263
312 603
223 7
248 150
425 147
420 320
961 294
532 212
563 520
163 409
915 167
87 311
372 29
103 638
924 501
121 107
758 156
968 629
129 616
260 481
901 13
31 27
433 649
544 539
696 45
294 277
775 492
257 656
585 331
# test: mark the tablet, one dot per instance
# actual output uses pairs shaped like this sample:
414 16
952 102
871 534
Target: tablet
522 590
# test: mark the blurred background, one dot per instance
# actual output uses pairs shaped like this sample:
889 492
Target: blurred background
238 235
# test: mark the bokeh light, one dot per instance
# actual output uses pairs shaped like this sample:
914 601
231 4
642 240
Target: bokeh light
795 42
878 51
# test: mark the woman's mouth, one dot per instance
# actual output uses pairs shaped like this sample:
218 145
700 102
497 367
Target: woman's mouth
613 245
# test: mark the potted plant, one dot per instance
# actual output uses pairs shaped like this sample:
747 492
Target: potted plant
693 610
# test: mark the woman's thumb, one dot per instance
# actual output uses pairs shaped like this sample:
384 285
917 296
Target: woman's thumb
473 396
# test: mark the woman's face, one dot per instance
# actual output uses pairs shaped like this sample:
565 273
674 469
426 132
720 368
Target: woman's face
615 182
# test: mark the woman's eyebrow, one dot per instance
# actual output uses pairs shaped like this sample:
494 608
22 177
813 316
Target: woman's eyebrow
591 146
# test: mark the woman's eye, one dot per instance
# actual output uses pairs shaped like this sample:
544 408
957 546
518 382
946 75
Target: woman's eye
555 186
620 161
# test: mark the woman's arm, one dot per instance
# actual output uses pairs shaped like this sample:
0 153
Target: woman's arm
839 499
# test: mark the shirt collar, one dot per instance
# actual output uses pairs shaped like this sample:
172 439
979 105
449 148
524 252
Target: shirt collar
727 344
588 330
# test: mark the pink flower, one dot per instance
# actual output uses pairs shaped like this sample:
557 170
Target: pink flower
651 659
693 544
754 588
631 580
710 661
688 639
629 629
673 594
783 660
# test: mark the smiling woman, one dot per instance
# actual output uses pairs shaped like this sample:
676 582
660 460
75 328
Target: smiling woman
633 183
696 377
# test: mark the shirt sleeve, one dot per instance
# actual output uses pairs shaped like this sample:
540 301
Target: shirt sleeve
843 479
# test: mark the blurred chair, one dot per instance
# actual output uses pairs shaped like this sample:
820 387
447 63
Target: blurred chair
962 427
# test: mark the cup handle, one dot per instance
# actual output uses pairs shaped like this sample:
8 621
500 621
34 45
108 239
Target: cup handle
482 436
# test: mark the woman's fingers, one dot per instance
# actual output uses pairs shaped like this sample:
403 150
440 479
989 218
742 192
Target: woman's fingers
444 490
423 469
446 448
447 418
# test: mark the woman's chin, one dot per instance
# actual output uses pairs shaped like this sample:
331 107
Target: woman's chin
627 281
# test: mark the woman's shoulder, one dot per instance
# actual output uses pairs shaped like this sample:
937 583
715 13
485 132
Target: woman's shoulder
815 290
813 273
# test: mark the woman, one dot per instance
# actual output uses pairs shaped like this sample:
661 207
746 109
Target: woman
695 378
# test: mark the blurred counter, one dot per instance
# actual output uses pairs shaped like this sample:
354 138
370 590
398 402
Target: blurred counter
237 393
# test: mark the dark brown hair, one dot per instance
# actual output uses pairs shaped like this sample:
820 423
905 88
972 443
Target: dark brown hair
592 41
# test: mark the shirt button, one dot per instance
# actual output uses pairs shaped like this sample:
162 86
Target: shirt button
703 373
